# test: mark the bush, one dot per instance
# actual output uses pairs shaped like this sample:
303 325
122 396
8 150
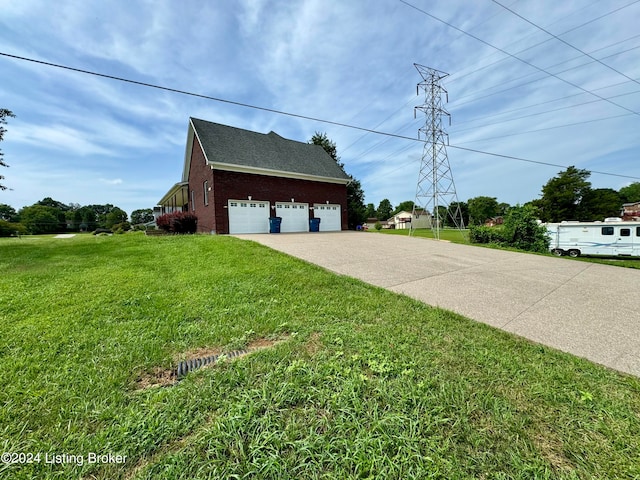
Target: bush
178 222
484 234
521 230
9 229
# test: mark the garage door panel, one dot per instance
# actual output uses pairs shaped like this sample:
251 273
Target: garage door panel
247 216
295 216
330 216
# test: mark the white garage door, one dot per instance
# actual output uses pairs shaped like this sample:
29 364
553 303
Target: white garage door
330 217
295 217
248 216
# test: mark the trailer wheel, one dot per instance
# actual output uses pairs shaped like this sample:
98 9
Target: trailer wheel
574 253
558 252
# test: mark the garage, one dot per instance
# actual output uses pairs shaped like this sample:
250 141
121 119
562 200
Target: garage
246 216
295 216
330 217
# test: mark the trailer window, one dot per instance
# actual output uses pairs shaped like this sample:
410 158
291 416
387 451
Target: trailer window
637 231
607 230
625 232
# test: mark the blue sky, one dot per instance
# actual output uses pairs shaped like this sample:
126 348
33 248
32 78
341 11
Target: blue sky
90 140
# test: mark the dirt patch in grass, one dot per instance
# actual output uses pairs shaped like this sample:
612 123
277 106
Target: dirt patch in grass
551 449
314 344
165 377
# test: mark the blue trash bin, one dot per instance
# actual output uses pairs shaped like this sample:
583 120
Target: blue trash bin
274 224
314 224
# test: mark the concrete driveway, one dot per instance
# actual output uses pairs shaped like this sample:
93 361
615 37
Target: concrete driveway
586 309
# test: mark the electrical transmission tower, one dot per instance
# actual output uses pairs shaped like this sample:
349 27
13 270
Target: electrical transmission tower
436 192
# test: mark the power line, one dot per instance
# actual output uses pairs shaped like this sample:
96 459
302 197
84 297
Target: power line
566 43
518 58
279 112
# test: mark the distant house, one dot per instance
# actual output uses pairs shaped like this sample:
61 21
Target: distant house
493 221
631 211
405 220
234 180
370 224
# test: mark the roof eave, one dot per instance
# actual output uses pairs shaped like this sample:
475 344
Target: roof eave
277 173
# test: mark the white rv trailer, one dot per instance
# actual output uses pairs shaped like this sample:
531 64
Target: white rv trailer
612 237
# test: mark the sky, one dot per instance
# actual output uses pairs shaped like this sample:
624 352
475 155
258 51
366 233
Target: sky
544 81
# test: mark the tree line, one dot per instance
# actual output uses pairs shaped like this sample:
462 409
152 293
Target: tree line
51 216
567 196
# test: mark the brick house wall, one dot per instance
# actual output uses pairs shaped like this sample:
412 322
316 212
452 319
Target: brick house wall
227 185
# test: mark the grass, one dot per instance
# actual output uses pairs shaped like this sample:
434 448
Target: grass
366 384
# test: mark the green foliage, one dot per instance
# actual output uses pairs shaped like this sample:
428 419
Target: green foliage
384 210
178 222
42 219
4 114
144 215
8 213
599 203
9 229
521 230
378 226
481 208
630 193
561 195
329 146
115 216
370 211
406 206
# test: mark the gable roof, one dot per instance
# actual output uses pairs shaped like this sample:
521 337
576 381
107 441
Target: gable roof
235 149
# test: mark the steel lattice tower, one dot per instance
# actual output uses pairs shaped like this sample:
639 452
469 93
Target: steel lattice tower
436 191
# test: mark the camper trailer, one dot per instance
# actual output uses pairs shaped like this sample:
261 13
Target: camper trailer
613 237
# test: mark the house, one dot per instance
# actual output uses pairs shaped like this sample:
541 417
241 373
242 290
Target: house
371 223
405 220
631 211
234 180
493 221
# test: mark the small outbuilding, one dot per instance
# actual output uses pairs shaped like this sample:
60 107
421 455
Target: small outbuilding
235 180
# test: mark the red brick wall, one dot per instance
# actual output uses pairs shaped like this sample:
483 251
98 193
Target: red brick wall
239 186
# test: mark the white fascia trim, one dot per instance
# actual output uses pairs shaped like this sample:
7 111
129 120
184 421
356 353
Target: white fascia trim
191 137
276 173
175 189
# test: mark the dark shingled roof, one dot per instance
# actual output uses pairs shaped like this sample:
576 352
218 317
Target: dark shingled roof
231 145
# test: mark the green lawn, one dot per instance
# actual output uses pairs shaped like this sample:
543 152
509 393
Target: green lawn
363 384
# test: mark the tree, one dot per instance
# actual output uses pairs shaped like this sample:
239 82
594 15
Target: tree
7 212
561 195
329 146
406 206
522 230
41 219
481 208
630 193
144 215
50 202
600 203
4 114
452 212
355 204
384 210
115 216
356 211
370 211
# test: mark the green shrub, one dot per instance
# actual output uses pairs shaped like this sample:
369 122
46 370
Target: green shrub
484 234
9 229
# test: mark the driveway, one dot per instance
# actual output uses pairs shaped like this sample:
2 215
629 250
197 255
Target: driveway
586 309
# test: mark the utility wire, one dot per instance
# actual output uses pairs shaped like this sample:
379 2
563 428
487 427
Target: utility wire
280 112
517 58
566 43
